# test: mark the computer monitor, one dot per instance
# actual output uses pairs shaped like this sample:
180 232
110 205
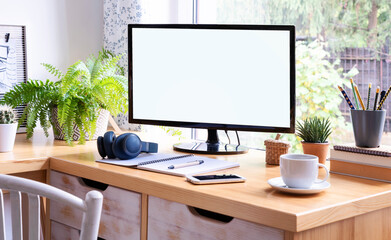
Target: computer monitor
228 77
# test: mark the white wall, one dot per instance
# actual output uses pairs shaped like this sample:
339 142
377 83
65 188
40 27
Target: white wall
58 32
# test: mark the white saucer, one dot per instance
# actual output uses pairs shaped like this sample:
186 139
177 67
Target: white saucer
278 184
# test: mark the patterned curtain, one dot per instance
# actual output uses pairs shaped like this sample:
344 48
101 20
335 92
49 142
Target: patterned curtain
117 15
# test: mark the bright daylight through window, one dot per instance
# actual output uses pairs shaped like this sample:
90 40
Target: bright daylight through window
336 40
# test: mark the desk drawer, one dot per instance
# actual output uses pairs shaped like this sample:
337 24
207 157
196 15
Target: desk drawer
171 220
120 213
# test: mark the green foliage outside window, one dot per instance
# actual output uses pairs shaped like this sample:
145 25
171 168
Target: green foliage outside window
348 23
316 88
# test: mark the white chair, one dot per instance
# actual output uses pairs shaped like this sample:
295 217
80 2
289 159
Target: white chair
91 207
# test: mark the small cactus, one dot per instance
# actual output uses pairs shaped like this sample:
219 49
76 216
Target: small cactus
7 115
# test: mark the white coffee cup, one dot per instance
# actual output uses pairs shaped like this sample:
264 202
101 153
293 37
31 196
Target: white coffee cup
300 170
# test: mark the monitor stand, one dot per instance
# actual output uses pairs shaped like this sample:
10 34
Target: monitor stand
211 146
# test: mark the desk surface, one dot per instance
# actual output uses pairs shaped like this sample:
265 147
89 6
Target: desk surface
253 200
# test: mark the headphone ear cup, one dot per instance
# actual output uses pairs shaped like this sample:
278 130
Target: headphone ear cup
132 145
129 145
122 150
108 141
101 147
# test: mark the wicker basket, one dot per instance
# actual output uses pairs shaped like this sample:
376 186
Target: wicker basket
274 149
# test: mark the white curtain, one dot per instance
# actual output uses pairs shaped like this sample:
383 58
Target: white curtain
117 15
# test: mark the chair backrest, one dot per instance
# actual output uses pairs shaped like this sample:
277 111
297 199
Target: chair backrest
91 207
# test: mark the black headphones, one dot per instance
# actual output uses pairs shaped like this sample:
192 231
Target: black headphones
125 146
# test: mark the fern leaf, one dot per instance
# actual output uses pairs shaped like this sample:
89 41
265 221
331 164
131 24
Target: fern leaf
90 63
106 54
69 121
53 70
32 118
79 125
72 78
44 119
96 64
109 67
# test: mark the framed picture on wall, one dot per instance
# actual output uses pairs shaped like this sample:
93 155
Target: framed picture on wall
13 62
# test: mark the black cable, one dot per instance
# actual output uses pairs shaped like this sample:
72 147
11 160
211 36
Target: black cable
229 140
237 137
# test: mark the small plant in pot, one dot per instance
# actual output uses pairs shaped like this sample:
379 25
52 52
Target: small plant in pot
314 133
75 104
8 127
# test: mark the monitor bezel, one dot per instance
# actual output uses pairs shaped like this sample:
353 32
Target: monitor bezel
292 39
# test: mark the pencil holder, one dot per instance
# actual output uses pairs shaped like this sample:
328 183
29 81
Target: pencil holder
368 127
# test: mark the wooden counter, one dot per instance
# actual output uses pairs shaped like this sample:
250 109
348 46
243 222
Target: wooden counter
352 207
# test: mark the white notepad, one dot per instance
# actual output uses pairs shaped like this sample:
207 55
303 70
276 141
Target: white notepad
159 162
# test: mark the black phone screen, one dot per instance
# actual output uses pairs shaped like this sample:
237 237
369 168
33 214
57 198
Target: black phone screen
211 177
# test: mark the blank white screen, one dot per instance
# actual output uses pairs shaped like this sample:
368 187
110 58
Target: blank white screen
239 77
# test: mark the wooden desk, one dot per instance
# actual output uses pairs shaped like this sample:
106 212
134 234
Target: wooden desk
351 208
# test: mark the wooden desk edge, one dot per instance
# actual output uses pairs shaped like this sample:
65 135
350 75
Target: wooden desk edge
269 217
27 165
282 220
277 219
334 213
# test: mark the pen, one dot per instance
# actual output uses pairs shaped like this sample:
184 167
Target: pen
188 164
359 98
376 96
354 94
385 96
346 97
381 97
369 94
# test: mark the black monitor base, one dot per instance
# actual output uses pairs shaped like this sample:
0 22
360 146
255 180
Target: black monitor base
206 148
211 146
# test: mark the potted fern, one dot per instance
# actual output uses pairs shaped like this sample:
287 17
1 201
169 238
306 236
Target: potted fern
8 127
314 133
73 104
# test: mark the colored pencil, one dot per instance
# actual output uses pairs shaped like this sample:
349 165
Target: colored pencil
382 96
376 96
359 97
345 95
369 94
354 94
385 96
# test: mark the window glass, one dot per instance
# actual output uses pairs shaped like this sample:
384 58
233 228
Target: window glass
336 40
167 11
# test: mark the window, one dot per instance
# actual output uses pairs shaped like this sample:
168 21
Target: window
167 11
336 40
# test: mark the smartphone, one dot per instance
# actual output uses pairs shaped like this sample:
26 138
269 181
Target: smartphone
213 179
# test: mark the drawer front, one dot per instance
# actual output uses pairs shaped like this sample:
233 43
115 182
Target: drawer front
171 220
61 231
121 210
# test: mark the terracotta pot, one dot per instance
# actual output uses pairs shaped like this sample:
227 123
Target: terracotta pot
318 149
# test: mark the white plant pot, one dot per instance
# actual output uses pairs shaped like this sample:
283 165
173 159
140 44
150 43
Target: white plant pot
7 136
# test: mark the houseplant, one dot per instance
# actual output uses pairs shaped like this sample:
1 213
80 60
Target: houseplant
314 133
8 127
75 100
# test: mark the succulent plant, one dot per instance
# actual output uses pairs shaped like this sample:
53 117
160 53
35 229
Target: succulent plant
314 130
7 115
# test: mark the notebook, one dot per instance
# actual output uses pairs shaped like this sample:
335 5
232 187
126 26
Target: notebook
383 150
160 162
